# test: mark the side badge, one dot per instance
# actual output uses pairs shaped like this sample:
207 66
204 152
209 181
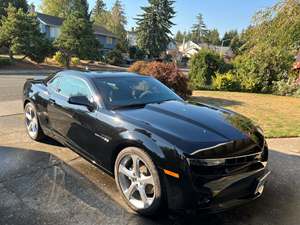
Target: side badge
106 139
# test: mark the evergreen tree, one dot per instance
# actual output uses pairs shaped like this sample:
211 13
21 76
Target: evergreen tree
82 7
77 38
18 4
213 37
153 31
117 23
100 15
199 30
20 33
179 37
62 8
99 8
229 36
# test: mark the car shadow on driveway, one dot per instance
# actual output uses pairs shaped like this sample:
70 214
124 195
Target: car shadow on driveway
38 188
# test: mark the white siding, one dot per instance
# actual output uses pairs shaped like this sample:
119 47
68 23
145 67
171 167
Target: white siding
42 28
54 32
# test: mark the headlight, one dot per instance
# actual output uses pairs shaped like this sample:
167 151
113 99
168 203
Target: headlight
207 162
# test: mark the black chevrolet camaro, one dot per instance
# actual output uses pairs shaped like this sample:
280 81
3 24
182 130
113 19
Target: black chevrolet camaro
162 150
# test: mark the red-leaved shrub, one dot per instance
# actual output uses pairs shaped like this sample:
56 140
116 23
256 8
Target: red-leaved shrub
166 73
138 67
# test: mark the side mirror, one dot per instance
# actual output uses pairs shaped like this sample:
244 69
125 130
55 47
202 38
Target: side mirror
82 100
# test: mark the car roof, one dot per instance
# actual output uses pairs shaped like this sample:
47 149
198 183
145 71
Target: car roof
97 74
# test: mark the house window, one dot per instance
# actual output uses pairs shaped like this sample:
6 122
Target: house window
42 28
54 32
109 40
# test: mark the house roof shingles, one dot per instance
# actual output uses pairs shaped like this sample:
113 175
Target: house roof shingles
103 31
58 21
50 20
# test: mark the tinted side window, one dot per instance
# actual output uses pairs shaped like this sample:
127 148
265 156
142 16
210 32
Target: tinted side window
74 87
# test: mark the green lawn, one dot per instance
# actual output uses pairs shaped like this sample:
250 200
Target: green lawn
278 116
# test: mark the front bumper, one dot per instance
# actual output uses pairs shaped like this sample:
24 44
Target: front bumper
211 192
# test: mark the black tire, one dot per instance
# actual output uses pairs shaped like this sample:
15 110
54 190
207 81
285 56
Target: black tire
39 134
158 189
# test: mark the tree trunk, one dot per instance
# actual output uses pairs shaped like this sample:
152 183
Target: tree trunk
11 55
68 62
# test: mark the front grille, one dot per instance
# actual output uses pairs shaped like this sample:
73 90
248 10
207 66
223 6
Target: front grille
243 159
230 161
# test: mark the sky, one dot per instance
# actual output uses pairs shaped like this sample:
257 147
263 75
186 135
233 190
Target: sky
221 14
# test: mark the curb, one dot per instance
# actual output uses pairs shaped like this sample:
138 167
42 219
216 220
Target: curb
26 72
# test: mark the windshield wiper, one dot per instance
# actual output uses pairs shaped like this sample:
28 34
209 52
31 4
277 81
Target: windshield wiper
141 105
136 105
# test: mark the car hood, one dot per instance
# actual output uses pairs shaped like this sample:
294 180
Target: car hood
194 126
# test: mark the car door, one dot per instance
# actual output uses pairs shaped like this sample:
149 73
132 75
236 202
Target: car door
75 123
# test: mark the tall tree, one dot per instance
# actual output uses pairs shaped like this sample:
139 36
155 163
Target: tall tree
99 8
62 8
117 23
229 36
270 47
20 33
179 37
77 38
18 4
153 31
100 15
213 37
82 7
199 30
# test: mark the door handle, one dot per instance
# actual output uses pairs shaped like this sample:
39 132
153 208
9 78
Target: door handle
52 101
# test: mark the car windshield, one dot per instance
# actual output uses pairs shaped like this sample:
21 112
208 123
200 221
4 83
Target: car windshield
119 92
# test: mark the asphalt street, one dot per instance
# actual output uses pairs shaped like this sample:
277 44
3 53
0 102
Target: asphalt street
46 183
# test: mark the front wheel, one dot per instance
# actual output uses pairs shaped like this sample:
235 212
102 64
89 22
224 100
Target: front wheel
32 123
138 180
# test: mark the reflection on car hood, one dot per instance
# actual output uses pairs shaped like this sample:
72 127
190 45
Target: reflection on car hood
192 126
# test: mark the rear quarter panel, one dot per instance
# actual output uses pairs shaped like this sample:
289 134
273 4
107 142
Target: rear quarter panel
36 92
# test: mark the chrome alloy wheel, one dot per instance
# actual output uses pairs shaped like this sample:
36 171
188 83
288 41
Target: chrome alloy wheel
136 181
31 121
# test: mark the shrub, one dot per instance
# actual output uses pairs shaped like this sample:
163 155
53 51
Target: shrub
136 53
203 67
286 87
298 80
60 58
114 57
250 84
75 61
138 67
5 62
226 82
261 67
167 73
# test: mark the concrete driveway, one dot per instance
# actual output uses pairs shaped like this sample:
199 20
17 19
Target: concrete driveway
46 183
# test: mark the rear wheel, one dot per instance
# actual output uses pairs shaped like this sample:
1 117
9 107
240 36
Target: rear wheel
138 181
33 128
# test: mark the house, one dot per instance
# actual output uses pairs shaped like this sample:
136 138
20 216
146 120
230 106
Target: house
132 37
189 48
172 46
172 50
50 26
